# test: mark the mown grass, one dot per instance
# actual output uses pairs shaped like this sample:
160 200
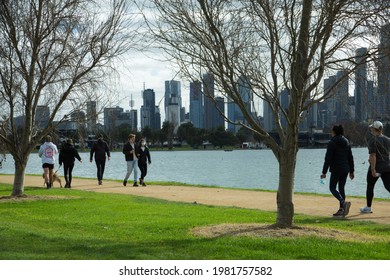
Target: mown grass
85 225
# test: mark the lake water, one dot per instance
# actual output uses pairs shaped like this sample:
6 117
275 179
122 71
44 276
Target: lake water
251 169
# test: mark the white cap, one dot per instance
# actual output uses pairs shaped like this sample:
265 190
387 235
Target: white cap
377 125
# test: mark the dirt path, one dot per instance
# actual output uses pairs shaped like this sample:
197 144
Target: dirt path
304 204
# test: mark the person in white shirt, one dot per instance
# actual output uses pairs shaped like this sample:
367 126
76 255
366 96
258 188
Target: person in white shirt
47 153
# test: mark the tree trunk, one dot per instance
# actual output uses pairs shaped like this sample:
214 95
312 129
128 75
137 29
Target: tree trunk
285 194
20 169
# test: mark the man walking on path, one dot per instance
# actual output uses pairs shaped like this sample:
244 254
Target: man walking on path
131 157
379 159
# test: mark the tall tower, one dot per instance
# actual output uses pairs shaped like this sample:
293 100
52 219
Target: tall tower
361 99
209 107
173 103
383 104
148 109
196 104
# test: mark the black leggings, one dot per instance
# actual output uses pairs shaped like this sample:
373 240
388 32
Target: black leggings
68 168
144 169
100 164
371 184
340 179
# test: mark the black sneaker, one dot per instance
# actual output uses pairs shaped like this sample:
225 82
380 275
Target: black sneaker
124 183
339 213
346 207
135 184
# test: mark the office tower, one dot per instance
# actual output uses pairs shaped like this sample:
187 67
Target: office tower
134 119
284 103
209 106
148 110
111 115
383 97
173 103
343 112
234 112
42 116
91 117
361 99
219 119
268 117
196 104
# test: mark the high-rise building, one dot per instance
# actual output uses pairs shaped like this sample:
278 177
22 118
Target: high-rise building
383 97
209 107
196 104
219 120
234 112
42 116
91 117
149 116
361 97
173 103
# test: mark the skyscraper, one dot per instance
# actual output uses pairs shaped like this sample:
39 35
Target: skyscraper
91 117
209 107
383 98
196 104
234 112
361 99
173 103
149 116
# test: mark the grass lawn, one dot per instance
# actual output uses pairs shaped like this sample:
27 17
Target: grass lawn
78 225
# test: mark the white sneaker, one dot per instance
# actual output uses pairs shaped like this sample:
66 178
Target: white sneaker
365 209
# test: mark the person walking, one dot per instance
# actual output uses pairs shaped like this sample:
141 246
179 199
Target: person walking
143 160
130 152
68 155
47 152
100 149
379 159
339 160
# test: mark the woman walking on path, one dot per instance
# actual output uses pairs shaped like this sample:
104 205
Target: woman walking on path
47 153
379 150
339 161
143 160
68 154
100 149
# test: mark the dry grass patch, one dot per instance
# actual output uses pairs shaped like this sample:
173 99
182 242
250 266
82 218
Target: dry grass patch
271 231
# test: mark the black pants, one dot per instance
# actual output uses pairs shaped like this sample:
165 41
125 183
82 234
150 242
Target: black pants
100 164
340 179
144 169
371 184
68 168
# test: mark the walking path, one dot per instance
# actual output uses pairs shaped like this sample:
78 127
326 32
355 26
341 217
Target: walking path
315 205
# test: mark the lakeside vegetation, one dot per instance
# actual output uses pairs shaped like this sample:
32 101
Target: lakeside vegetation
72 224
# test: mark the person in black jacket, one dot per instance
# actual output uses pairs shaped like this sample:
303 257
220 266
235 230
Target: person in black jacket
100 149
143 160
339 160
68 154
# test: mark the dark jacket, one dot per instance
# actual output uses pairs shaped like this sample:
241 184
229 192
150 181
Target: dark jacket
127 148
339 156
68 154
100 149
144 155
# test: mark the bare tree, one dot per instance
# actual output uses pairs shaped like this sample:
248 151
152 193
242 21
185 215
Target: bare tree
54 55
274 45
